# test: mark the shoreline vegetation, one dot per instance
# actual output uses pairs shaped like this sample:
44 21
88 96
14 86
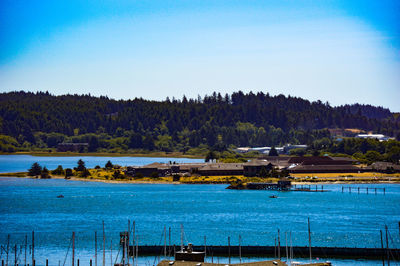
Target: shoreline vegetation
105 176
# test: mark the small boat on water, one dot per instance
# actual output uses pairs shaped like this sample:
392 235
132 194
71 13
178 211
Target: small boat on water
273 196
60 196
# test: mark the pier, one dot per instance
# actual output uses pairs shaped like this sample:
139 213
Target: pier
309 188
367 190
281 185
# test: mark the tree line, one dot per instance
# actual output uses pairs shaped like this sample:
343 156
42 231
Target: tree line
39 121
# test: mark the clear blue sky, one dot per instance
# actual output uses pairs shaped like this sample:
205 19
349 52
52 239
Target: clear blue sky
336 51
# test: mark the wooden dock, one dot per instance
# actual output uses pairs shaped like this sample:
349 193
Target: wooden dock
309 188
367 190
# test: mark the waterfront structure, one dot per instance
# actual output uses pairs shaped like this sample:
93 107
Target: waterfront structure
261 166
215 169
383 167
255 167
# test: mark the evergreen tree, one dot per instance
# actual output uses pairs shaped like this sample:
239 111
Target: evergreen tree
211 155
45 173
81 165
68 173
35 170
109 165
58 171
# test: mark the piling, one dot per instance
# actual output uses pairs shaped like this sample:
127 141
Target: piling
169 242
387 246
127 241
133 241
78 262
47 262
73 248
33 248
229 249
240 249
8 248
279 246
383 257
205 248
182 237
287 254
309 237
26 244
95 248
165 242
104 247
90 262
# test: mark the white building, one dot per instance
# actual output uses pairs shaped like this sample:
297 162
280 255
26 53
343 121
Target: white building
379 137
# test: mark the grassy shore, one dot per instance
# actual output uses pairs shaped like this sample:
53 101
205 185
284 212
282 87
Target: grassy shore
107 154
103 175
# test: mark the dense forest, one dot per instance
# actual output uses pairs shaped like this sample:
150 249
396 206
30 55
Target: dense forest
30 121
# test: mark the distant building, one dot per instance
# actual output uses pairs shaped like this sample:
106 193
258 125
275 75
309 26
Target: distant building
265 150
379 137
254 167
74 147
221 169
161 169
383 167
322 164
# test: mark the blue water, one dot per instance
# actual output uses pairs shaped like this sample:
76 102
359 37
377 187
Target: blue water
20 163
337 219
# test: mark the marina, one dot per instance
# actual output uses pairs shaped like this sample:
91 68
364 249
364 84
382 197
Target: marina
338 221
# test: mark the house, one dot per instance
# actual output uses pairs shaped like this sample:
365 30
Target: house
321 160
310 168
383 167
254 167
221 169
161 169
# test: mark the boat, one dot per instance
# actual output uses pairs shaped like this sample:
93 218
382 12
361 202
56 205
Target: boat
273 196
60 196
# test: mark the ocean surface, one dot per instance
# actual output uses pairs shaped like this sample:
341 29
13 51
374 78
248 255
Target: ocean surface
337 219
21 163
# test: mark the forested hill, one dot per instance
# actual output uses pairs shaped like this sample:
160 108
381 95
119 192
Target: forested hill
239 119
